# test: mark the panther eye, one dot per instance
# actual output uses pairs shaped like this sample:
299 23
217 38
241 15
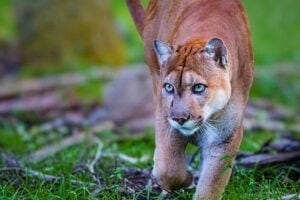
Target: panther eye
169 88
198 88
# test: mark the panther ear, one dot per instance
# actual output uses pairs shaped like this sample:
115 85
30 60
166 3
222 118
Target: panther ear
163 51
216 49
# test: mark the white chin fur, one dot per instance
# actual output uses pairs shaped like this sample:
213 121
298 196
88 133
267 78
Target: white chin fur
187 132
187 129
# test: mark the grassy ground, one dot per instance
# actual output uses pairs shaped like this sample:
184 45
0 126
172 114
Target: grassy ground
244 184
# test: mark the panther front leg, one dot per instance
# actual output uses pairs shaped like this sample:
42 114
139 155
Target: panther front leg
169 161
216 168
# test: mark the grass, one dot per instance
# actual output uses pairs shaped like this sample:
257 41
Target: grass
254 184
244 184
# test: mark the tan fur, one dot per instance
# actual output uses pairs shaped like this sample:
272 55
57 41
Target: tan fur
187 26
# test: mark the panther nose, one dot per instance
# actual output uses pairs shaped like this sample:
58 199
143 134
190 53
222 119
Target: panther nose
180 121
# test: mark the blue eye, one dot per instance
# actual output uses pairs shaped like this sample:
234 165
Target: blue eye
198 88
169 88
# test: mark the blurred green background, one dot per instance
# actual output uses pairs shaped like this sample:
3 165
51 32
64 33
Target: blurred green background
102 33
275 25
275 29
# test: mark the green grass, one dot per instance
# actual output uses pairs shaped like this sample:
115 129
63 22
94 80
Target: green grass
255 184
244 184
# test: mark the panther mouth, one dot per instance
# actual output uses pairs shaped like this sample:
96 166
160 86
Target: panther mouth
188 132
189 128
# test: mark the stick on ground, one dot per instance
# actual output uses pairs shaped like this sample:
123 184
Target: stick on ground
41 176
65 143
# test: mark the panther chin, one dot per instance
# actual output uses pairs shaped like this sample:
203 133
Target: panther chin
188 128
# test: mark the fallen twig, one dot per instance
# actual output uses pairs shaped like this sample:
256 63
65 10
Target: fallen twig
40 175
290 196
70 119
281 145
284 150
10 88
41 102
262 160
67 142
51 150
266 124
126 158
91 166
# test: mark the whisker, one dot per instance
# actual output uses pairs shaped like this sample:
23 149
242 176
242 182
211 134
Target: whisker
210 132
200 129
199 123
213 121
211 125
203 128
